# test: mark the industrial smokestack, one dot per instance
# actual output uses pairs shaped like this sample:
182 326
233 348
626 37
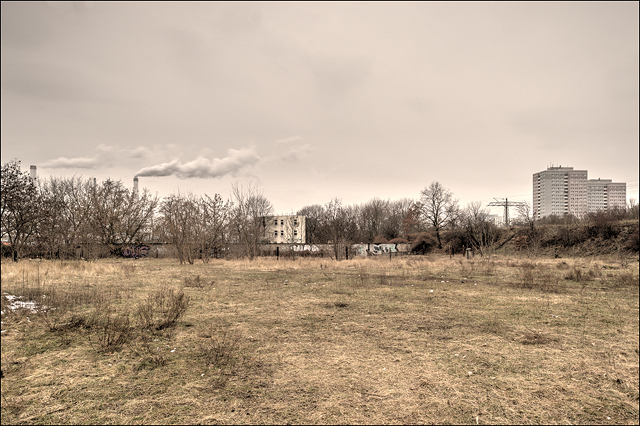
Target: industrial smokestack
34 175
135 185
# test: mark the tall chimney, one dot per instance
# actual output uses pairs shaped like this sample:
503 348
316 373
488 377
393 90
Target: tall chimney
135 185
34 175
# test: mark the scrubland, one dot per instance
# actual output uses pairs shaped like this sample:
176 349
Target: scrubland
414 339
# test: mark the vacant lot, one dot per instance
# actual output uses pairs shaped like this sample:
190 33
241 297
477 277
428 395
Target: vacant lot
404 340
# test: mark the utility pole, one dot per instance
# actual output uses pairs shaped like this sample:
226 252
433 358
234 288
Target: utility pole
506 204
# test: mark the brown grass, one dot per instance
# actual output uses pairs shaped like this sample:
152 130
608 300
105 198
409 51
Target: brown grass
404 340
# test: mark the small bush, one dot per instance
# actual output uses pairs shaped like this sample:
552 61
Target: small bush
536 279
532 337
196 282
220 349
162 309
575 274
112 330
632 242
423 243
150 357
548 282
128 269
624 279
399 240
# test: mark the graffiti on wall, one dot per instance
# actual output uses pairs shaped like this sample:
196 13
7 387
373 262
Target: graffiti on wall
135 251
306 247
374 249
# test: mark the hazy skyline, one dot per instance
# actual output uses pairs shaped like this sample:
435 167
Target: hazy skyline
312 101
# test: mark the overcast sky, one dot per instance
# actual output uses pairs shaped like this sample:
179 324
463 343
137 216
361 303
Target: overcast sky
312 101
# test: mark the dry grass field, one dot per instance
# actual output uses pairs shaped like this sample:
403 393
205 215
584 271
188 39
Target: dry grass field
405 340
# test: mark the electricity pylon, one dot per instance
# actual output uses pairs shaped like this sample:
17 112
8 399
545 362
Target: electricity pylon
506 204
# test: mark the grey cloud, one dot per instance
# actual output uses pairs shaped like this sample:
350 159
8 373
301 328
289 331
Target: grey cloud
140 152
292 149
48 82
203 167
25 24
336 76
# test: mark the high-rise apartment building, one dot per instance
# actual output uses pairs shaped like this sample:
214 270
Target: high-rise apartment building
562 190
605 194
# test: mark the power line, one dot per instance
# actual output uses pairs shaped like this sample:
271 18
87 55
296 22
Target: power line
506 204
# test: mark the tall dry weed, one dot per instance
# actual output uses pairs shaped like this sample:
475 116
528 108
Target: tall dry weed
538 277
624 280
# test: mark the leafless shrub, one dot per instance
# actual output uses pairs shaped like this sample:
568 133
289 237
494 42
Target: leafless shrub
466 267
196 282
55 304
151 357
384 280
488 267
128 269
548 282
494 326
575 274
338 304
528 265
31 293
624 279
594 272
162 309
220 349
52 318
527 279
112 330
4 303
532 337
537 279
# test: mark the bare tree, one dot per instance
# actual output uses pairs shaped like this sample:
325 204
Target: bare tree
525 214
56 233
480 233
438 208
372 217
314 215
23 208
118 216
340 222
251 212
214 216
178 225
411 221
392 227
632 209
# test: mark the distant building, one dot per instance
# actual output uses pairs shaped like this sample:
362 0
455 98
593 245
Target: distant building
603 194
285 229
496 219
562 190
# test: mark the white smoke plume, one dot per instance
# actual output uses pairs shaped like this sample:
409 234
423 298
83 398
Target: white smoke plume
106 156
73 163
203 167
